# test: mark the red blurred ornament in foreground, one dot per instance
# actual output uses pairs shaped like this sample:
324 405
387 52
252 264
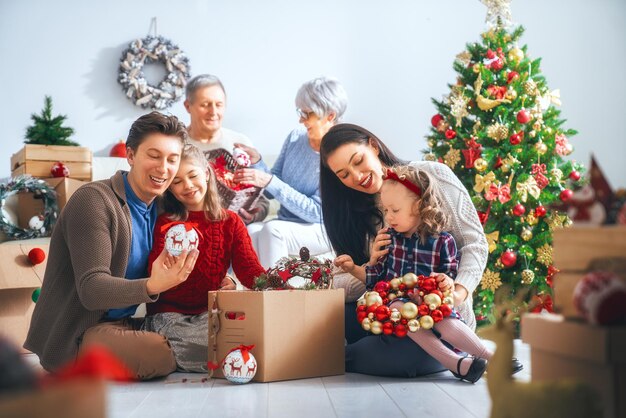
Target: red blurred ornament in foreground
59 170
118 150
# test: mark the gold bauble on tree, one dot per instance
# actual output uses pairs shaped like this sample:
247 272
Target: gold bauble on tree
430 157
528 276
476 68
530 87
432 143
532 133
556 175
541 147
480 164
516 54
510 94
526 234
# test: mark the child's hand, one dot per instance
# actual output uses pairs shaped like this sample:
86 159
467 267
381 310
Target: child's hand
248 216
345 262
228 284
378 250
444 282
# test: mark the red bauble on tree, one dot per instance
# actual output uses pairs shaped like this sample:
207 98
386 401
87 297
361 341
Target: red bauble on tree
450 133
511 76
540 211
59 170
435 120
36 256
565 195
519 209
523 116
118 150
574 175
508 258
516 138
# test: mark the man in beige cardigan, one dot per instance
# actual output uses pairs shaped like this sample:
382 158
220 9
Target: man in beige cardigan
97 266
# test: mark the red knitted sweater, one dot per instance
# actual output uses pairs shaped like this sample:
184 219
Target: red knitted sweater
221 243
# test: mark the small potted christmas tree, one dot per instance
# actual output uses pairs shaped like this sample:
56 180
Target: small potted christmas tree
49 151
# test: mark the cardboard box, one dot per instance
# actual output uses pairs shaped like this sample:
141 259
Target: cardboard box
568 349
18 279
29 206
576 251
79 398
37 160
296 333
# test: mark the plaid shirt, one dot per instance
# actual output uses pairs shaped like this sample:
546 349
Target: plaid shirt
437 254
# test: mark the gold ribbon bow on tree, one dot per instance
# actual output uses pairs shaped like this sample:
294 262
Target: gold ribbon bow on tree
551 97
492 238
483 182
528 187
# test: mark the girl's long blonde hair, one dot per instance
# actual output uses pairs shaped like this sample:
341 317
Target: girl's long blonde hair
212 204
433 220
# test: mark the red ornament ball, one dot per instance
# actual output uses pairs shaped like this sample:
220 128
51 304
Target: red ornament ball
519 209
382 313
511 76
36 256
566 195
387 328
574 175
516 138
118 150
401 330
540 211
600 297
59 170
435 120
523 116
450 133
508 258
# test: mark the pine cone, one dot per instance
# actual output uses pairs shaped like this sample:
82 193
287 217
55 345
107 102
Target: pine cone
305 254
275 282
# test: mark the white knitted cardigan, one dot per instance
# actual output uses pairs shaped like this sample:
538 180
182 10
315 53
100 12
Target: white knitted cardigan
464 227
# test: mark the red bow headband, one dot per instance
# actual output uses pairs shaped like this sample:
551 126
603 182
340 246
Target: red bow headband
391 175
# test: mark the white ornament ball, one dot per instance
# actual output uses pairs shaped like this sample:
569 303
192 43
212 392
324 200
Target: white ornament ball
600 297
179 239
241 157
36 222
237 370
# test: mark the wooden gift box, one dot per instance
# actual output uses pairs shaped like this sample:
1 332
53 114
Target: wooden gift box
579 249
296 333
37 160
562 349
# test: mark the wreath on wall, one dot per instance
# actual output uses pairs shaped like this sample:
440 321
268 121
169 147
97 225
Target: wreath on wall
39 226
136 87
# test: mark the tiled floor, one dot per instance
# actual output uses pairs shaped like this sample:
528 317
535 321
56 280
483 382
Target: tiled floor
350 395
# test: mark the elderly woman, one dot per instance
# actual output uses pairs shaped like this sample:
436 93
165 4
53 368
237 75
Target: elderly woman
206 103
294 179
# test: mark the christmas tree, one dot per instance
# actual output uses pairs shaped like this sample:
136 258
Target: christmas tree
500 132
48 130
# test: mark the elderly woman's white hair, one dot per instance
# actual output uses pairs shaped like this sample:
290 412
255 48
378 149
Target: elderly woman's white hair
323 96
199 82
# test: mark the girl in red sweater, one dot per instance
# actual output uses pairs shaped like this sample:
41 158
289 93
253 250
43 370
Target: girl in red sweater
180 314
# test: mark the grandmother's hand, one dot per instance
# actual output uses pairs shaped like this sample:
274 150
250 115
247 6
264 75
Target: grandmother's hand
254 155
252 176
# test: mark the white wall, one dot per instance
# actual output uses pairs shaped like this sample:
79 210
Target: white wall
392 56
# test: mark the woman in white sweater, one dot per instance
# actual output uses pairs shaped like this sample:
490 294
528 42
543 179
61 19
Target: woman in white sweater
352 164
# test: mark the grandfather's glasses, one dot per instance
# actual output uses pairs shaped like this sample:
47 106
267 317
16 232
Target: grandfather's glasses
304 115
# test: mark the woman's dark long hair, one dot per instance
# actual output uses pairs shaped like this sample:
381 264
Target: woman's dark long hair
351 217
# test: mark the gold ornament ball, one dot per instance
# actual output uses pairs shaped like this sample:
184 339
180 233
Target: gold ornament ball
532 133
409 310
476 68
376 328
499 264
505 168
410 280
480 164
373 298
526 234
516 54
395 315
391 296
427 322
371 315
432 300
413 325
528 276
430 157
448 300
541 148
510 94
537 125
531 219
361 301
394 283
366 324
549 130
432 143
567 222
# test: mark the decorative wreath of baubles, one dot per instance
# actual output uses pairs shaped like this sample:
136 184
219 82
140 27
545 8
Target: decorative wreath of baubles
131 76
427 306
38 226
297 273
